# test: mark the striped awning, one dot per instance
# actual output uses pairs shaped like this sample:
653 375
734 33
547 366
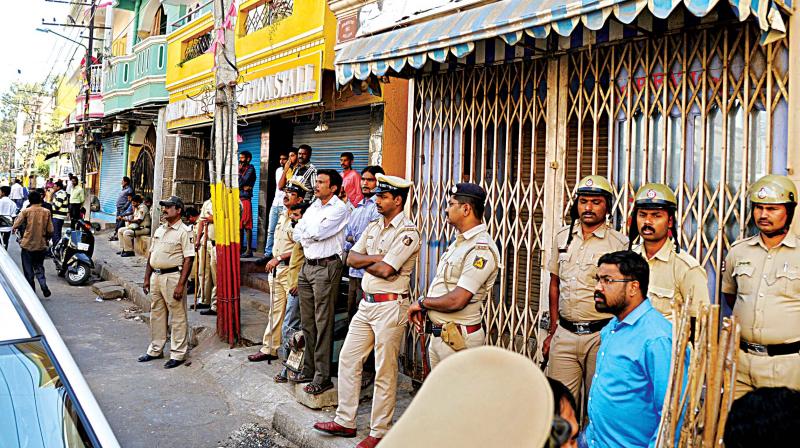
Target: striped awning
512 20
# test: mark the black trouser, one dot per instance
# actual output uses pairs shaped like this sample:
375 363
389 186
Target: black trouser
5 237
354 296
318 287
58 225
74 215
33 266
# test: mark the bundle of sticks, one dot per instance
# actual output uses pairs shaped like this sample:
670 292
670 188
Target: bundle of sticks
700 394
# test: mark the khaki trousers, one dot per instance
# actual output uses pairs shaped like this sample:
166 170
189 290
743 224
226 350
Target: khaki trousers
280 288
754 371
318 287
126 237
208 283
438 350
380 326
163 310
572 360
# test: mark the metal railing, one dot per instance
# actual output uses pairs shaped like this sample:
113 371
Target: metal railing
192 15
196 47
96 78
267 13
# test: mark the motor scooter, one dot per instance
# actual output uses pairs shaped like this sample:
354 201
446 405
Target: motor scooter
72 255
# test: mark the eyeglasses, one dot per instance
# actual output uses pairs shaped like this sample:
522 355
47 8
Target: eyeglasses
605 280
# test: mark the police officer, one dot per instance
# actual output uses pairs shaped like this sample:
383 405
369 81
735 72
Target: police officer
761 282
465 275
282 247
574 333
387 251
171 256
674 275
136 225
208 263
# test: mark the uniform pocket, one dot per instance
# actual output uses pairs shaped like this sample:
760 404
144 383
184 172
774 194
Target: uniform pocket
789 281
743 274
661 298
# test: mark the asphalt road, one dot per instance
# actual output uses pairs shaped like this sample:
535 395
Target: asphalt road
146 405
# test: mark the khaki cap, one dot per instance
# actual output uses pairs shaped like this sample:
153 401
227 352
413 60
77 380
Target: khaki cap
480 397
654 195
172 200
296 186
773 189
594 185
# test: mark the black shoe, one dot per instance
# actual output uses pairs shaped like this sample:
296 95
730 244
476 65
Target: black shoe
247 255
208 312
113 238
120 252
148 357
172 363
128 254
201 306
46 291
263 260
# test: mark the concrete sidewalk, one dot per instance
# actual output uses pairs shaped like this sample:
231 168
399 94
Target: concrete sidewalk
248 385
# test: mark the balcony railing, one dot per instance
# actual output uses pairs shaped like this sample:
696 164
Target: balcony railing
192 15
196 47
95 80
267 14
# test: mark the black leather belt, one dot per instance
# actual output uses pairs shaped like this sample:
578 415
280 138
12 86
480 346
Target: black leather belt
322 261
583 327
791 348
167 270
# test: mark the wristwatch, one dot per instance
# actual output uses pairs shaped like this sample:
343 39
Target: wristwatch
421 303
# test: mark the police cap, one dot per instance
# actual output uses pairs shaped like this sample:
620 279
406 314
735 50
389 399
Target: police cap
391 184
469 190
594 185
296 186
172 200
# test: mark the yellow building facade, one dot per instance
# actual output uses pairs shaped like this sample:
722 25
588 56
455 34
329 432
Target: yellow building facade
286 93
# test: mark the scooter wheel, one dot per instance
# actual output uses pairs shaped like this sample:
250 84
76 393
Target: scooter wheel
79 275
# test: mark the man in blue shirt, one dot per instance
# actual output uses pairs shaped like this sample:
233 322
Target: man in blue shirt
634 359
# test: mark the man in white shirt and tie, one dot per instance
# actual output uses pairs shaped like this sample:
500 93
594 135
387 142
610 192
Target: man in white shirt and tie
321 234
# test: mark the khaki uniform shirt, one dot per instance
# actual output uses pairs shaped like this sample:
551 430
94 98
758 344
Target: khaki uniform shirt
170 245
142 212
283 232
767 287
576 269
471 262
205 211
675 276
38 228
399 244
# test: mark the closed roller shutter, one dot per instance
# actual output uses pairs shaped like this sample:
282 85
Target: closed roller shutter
347 131
112 169
251 141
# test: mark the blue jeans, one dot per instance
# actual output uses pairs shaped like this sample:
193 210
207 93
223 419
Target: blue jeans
291 323
274 213
58 226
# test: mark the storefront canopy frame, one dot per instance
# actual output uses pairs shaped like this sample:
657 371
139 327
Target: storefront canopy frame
511 20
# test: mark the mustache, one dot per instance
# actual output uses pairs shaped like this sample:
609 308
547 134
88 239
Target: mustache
599 295
648 228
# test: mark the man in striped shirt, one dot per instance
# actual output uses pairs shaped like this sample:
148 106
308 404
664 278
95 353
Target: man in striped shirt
305 172
60 209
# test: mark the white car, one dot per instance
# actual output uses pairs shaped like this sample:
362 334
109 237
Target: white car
44 399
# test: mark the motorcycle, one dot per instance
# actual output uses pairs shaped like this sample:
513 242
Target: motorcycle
72 255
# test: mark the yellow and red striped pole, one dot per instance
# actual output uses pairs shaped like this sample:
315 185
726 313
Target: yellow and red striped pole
225 176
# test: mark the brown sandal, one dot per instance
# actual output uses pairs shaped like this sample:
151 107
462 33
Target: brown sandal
280 378
316 389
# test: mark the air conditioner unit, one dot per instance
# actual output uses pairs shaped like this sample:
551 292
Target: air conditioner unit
120 127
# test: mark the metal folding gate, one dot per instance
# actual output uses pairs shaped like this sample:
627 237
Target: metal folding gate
702 110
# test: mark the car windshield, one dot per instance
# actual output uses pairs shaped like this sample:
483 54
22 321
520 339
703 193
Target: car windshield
35 408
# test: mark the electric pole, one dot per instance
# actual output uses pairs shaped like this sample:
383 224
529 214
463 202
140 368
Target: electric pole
225 175
88 80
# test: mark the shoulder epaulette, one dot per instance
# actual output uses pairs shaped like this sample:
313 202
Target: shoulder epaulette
737 242
688 259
